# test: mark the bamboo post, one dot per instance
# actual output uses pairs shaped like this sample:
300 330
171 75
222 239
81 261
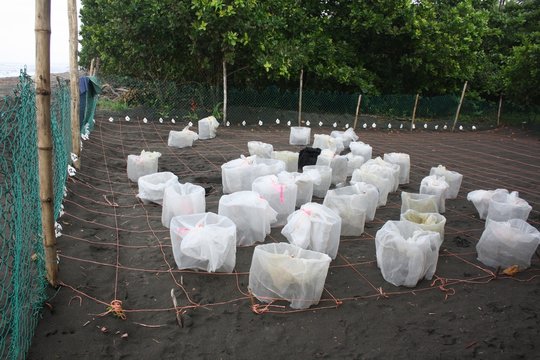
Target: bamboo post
300 98
357 115
74 83
459 106
499 110
414 111
45 144
224 91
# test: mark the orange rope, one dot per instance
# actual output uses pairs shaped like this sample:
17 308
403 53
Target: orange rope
443 283
115 308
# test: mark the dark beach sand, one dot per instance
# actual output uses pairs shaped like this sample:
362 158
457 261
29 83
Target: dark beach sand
114 247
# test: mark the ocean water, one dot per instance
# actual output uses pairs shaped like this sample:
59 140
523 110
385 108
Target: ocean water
14 69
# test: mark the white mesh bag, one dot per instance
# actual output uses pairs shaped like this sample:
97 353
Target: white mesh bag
377 176
346 136
453 179
504 206
423 203
182 199
281 195
507 243
391 170
319 190
362 149
238 174
300 135
435 185
304 184
290 158
323 141
372 198
314 227
144 164
251 214
480 200
338 163
354 162
261 149
404 162
152 187
426 221
208 128
204 241
351 207
182 139
406 253
288 272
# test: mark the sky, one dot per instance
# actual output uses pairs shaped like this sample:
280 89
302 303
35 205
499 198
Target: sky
17 38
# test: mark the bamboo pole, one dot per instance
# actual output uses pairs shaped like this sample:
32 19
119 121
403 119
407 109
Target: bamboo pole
499 110
300 98
224 91
45 144
74 83
459 106
414 111
357 115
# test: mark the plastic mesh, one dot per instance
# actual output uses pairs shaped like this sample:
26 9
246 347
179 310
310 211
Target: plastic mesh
22 265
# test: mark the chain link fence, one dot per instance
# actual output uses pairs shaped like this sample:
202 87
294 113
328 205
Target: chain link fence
193 101
22 265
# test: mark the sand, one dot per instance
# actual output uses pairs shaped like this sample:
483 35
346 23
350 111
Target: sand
114 247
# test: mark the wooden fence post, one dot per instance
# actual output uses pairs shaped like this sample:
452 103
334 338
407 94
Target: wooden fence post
357 115
499 110
459 106
300 98
224 91
74 83
45 144
414 111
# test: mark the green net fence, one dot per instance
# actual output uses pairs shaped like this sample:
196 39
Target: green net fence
22 268
192 101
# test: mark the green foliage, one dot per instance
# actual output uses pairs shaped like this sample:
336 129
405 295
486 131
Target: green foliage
372 47
112 105
522 71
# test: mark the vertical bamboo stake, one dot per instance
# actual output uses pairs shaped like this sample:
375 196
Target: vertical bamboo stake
499 110
459 106
414 111
74 83
224 91
45 144
357 115
300 98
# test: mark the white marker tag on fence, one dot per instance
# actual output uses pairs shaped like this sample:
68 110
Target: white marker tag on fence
71 170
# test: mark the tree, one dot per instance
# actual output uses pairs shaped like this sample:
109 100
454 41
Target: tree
136 38
447 39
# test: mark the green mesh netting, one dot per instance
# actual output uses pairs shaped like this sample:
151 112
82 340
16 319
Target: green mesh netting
22 286
192 101
22 266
